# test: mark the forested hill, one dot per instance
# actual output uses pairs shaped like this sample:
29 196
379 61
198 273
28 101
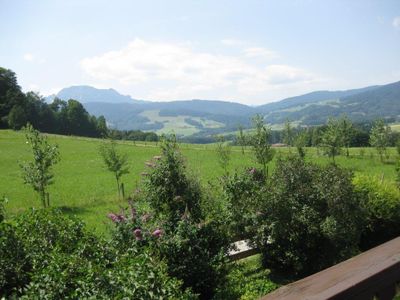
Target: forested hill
206 117
359 105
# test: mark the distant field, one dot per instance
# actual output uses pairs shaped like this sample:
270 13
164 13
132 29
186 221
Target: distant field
395 127
83 186
178 124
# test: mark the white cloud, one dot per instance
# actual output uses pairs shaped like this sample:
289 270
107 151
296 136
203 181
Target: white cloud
396 22
28 57
170 71
232 42
260 52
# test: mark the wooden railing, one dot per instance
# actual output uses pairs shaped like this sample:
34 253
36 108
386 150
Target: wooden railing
373 274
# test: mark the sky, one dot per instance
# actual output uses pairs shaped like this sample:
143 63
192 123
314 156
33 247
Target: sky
250 51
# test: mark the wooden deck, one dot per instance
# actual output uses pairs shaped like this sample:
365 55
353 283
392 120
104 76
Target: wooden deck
374 273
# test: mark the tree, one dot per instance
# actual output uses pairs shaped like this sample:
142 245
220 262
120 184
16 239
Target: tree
10 94
17 118
260 143
115 162
241 138
380 137
223 153
300 142
288 134
347 132
332 140
38 173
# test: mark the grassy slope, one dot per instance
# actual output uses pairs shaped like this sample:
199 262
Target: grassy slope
178 124
85 188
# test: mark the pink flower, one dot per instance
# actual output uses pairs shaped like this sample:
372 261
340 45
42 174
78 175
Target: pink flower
138 234
116 218
252 171
157 232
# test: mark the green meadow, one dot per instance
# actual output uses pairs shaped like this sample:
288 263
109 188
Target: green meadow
83 186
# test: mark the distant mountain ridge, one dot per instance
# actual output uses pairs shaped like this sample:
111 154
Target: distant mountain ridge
86 94
209 117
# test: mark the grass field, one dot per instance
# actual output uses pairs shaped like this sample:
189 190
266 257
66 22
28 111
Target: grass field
83 186
395 127
178 124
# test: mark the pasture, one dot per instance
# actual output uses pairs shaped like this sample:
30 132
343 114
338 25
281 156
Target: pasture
83 186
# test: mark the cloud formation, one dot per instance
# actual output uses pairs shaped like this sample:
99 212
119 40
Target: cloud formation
177 71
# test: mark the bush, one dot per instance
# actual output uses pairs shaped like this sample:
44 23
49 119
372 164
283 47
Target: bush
169 189
130 276
62 260
381 201
14 265
311 217
43 231
196 254
242 192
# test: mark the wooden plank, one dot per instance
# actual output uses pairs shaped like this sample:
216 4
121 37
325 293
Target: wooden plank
242 250
360 277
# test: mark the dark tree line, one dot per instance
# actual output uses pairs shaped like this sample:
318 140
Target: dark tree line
60 117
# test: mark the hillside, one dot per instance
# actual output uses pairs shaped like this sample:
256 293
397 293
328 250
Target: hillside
202 118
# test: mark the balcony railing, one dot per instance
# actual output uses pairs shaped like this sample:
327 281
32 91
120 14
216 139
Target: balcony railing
373 274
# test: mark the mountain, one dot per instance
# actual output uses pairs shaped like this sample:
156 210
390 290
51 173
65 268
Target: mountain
87 94
200 118
364 104
313 97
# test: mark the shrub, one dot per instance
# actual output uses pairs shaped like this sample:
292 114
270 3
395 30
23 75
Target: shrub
242 192
310 217
168 188
43 231
62 260
131 275
14 265
196 254
381 201
38 173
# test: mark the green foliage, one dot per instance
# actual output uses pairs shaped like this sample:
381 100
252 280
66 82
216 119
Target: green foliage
288 134
380 137
310 217
14 265
247 280
347 132
54 257
168 187
398 147
38 173
115 162
301 142
241 138
260 143
332 138
223 153
197 255
242 192
381 200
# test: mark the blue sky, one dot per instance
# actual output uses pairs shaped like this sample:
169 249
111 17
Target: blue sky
250 51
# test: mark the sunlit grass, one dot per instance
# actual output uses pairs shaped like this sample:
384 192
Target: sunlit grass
85 188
